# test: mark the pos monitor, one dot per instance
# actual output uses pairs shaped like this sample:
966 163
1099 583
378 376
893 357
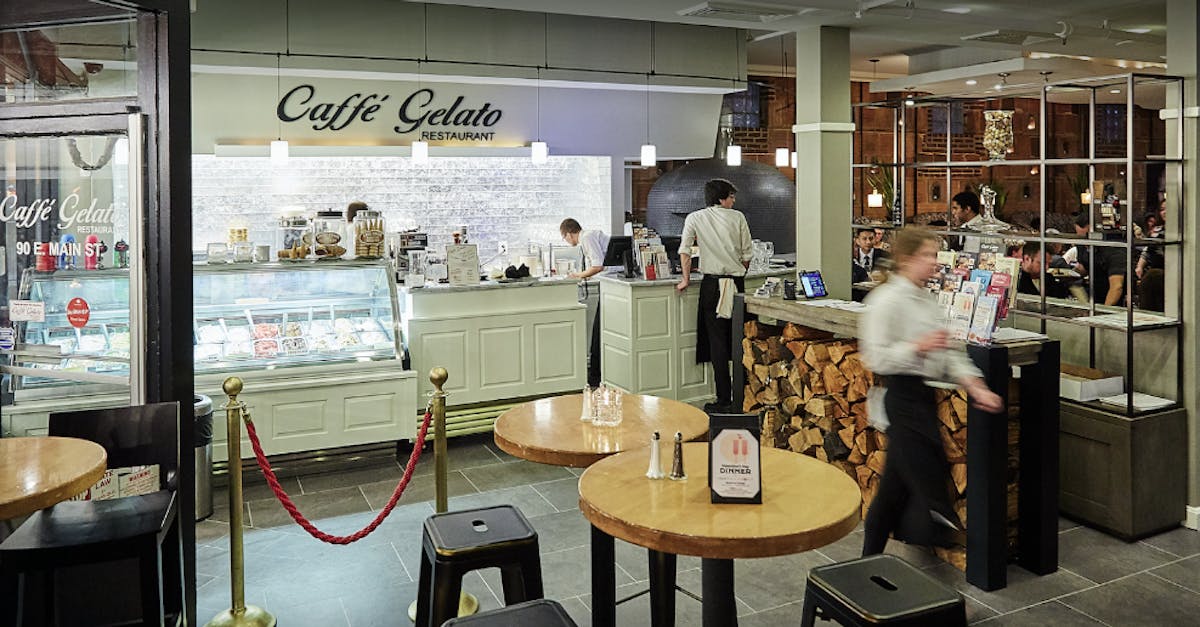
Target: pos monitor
620 253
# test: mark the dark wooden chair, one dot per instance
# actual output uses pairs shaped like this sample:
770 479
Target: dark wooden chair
75 533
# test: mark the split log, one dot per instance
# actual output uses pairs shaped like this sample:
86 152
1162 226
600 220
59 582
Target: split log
839 351
876 460
835 383
778 369
797 348
847 436
954 453
958 472
757 330
820 406
834 447
817 355
792 331
793 405
960 407
776 351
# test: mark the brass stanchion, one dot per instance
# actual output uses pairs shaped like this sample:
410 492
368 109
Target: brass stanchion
467 603
239 614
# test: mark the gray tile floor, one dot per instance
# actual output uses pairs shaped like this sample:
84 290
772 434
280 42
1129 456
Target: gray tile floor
1101 580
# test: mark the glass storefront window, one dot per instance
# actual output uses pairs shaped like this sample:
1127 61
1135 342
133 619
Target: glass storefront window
76 62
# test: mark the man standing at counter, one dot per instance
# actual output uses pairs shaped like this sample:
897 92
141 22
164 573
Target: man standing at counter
594 244
724 238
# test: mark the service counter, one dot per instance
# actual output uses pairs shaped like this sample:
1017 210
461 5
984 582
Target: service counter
501 342
802 358
648 336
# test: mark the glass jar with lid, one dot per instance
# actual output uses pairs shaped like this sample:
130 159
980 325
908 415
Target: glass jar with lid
369 230
294 236
329 234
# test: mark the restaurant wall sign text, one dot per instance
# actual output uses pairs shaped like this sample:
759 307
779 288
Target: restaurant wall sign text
420 112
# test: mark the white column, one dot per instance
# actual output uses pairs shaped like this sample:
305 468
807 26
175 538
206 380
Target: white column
823 151
1183 59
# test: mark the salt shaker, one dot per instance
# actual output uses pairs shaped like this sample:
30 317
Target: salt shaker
655 470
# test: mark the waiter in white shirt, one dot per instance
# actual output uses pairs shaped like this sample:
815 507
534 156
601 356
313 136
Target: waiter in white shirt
594 244
725 252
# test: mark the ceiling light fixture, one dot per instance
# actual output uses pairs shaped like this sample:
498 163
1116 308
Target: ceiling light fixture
539 152
279 148
957 10
782 155
972 82
1136 31
1003 81
733 155
1114 91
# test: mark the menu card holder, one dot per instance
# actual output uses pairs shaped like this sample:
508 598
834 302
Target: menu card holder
734 460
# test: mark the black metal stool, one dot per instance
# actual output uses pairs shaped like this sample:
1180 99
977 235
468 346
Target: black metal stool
880 590
456 543
542 613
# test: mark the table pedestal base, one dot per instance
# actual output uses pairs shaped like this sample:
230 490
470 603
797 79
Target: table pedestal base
720 608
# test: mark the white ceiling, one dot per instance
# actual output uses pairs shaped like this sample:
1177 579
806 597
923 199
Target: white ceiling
897 31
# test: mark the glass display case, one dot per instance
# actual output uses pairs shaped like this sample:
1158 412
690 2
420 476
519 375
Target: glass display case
247 317
82 339
266 316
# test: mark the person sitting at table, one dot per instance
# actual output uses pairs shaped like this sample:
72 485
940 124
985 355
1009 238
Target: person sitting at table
903 338
964 208
865 256
1031 270
1107 276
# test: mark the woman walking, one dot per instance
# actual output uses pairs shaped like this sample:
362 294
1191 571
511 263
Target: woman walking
905 341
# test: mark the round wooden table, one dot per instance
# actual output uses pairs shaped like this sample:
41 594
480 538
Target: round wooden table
549 430
38 472
806 504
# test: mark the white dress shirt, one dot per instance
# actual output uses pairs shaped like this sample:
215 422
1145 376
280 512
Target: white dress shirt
724 239
594 244
898 314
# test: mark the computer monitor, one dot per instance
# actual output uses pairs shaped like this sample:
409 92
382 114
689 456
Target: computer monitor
620 253
671 244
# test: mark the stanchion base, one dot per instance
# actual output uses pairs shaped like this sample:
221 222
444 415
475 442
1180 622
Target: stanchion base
467 606
251 617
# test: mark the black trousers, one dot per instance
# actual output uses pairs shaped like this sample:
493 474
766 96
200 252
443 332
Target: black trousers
719 333
914 475
593 366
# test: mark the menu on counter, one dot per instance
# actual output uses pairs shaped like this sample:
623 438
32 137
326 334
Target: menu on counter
462 262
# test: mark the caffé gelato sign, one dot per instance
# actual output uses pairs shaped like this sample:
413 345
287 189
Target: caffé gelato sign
434 118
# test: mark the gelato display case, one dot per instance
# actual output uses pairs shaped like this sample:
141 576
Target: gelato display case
317 344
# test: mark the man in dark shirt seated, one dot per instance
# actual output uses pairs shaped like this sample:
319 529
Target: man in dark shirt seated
1031 270
1105 265
866 256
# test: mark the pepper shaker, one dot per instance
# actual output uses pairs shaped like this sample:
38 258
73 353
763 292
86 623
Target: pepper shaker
677 473
655 470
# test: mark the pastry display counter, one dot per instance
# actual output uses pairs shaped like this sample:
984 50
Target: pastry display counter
316 343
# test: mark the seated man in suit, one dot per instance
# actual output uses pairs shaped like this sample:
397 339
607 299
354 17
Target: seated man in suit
1031 270
866 255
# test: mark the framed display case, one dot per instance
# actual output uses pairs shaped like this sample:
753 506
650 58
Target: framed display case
1091 171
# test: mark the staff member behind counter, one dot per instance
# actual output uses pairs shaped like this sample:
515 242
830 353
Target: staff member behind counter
594 243
725 255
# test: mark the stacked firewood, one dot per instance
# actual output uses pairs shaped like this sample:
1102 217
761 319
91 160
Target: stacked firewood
818 387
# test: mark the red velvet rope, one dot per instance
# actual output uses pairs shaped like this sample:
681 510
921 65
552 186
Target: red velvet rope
312 530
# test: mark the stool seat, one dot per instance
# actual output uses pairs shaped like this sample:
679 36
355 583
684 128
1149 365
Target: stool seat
880 590
469 530
542 613
456 543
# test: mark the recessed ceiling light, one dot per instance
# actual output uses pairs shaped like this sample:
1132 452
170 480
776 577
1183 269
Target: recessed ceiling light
1114 91
1139 31
959 10
972 82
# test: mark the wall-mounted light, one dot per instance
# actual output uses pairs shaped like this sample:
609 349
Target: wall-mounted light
733 155
1033 171
1085 198
875 199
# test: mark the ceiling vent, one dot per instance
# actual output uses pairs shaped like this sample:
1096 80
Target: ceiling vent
738 12
1011 37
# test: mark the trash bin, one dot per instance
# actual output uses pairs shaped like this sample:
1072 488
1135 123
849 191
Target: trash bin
203 412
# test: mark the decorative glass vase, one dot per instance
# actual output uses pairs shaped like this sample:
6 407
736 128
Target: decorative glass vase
997 134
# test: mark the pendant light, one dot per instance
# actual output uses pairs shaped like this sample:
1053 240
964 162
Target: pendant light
782 155
733 155
539 152
419 149
279 148
649 151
